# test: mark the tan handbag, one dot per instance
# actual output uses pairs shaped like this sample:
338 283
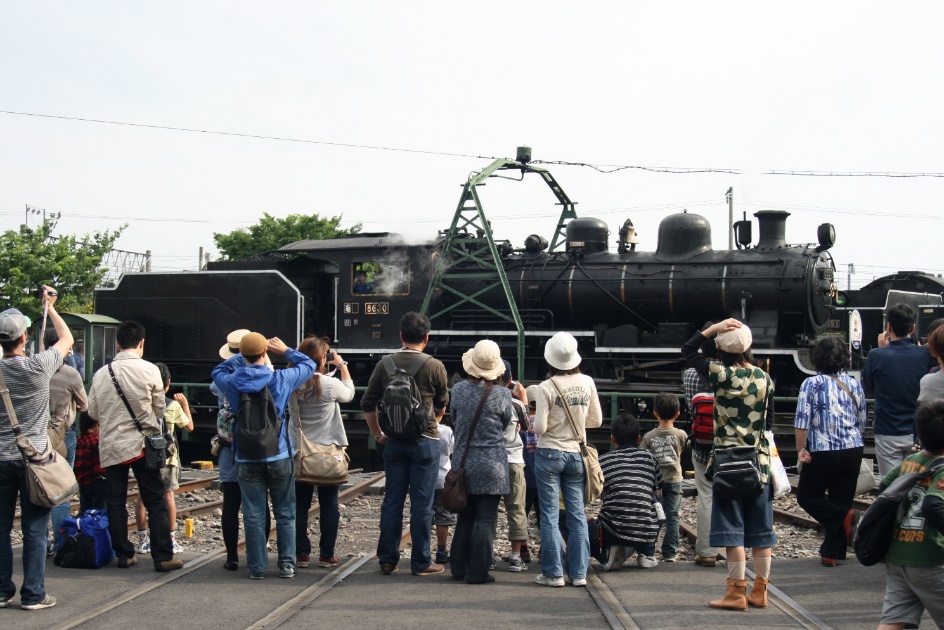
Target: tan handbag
320 464
49 477
593 488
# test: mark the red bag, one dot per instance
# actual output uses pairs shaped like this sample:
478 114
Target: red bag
703 418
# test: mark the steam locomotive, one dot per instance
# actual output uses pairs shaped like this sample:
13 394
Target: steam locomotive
630 310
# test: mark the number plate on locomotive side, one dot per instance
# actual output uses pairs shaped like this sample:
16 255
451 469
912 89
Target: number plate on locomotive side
377 308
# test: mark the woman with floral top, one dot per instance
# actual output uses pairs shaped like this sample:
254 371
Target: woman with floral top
830 419
743 402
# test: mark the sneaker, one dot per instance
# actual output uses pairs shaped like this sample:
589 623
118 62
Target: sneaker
327 562
256 576
168 565
302 561
286 571
706 562
176 547
126 561
48 602
672 558
144 545
578 581
388 568
646 562
526 556
549 581
432 569
442 557
516 565
5 600
615 558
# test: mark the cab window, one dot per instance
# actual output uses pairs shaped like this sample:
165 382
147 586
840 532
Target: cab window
380 278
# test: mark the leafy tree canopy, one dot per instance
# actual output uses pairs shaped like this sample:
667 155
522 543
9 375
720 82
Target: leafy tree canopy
32 257
272 233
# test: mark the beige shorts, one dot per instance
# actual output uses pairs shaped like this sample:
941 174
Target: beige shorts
170 475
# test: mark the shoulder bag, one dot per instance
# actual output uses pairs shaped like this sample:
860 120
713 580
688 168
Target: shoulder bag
874 534
736 469
155 446
318 464
454 496
593 487
49 477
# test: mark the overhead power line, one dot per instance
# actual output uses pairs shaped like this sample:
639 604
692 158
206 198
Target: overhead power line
602 168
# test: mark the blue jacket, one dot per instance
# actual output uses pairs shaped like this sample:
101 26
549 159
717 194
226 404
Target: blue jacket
893 375
234 376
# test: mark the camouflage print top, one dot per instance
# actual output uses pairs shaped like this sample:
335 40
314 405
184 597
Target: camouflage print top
741 409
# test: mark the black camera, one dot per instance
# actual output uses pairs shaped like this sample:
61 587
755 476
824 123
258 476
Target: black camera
330 356
40 293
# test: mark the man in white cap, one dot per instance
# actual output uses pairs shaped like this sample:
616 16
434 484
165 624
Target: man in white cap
27 379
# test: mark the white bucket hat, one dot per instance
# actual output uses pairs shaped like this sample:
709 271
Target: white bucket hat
484 360
561 351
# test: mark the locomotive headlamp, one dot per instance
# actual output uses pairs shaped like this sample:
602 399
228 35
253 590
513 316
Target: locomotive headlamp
826 234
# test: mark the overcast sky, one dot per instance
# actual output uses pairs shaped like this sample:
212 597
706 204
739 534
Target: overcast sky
835 87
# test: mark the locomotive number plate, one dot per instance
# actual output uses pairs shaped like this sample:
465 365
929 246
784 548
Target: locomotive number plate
377 308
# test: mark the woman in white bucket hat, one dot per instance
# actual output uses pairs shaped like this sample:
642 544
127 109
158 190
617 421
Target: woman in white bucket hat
560 471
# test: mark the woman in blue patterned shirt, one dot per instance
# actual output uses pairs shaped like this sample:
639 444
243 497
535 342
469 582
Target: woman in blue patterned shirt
830 418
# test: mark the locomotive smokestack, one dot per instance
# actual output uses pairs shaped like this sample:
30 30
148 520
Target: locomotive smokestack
772 225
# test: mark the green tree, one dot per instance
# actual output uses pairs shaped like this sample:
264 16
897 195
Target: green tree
272 233
32 257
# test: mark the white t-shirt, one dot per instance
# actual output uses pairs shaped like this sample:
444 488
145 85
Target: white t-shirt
446 445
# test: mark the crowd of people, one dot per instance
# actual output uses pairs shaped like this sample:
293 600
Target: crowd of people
519 447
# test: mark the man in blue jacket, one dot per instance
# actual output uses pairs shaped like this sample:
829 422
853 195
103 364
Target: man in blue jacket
892 375
251 371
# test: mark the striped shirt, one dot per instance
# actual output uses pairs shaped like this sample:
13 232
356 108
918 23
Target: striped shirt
834 421
27 378
631 477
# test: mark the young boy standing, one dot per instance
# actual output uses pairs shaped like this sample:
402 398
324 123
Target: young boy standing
627 521
914 577
666 443
443 518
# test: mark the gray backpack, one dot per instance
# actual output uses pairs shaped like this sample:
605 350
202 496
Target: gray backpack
402 414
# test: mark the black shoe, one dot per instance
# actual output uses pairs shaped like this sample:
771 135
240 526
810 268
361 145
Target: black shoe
127 561
231 565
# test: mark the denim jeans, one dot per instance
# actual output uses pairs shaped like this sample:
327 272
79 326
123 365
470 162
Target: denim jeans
471 553
328 521
33 523
561 474
671 503
410 465
151 489
278 478
61 511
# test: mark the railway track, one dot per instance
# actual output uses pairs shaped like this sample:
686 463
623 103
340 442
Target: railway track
800 614
185 486
100 609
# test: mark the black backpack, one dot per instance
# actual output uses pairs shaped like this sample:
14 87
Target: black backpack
402 413
257 426
874 534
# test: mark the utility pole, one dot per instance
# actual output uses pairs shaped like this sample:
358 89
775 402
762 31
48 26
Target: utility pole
147 261
729 197
200 260
37 211
849 272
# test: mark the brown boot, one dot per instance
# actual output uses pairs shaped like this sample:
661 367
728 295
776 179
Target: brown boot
735 598
758 596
